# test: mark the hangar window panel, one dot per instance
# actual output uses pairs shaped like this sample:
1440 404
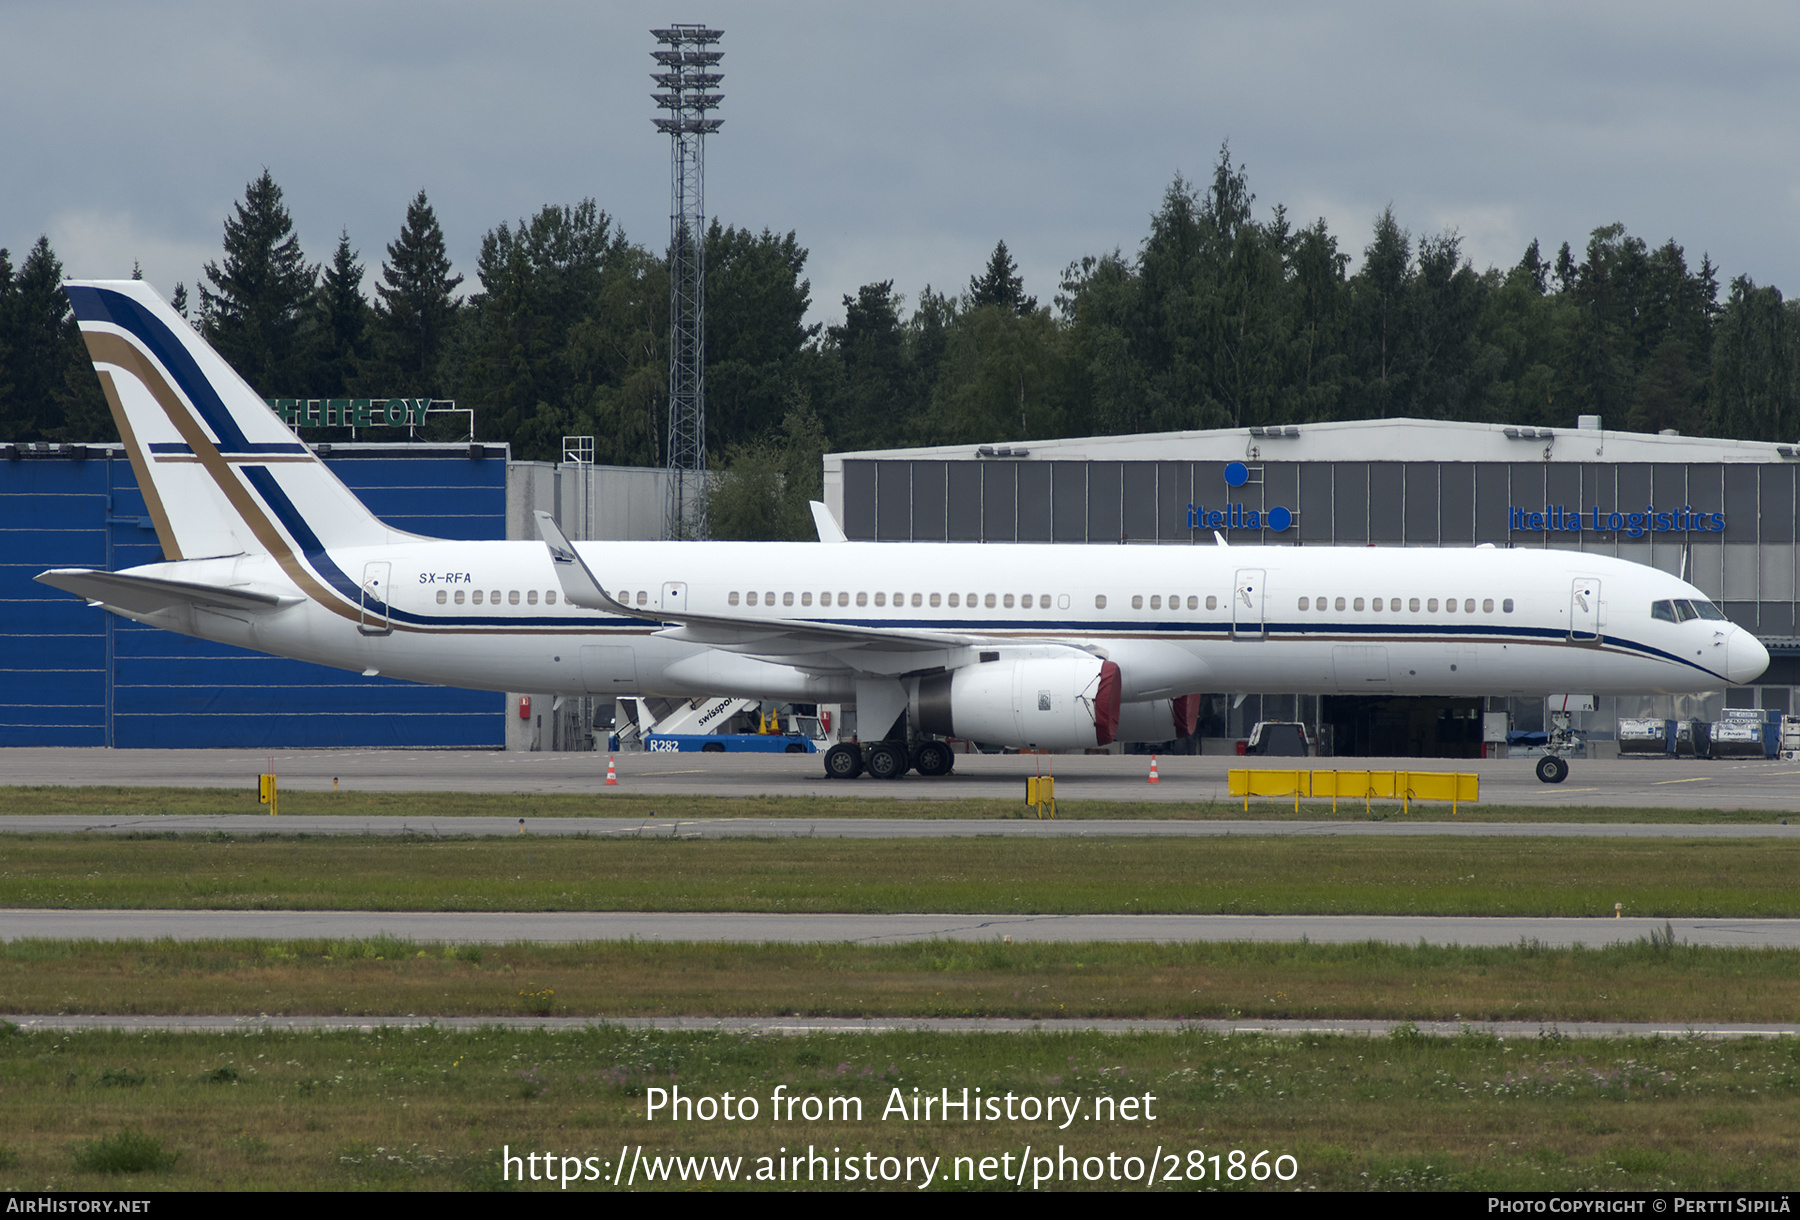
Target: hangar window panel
1740 571
1281 489
1422 499
1742 613
964 496
1706 569
1105 503
1562 487
1350 501
1456 502
893 501
1493 496
1177 485
1706 493
1140 500
859 501
928 479
1600 486
1315 502
1637 489
1775 618
1740 502
1068 501
1034 502
1775 500
1777 576
999 501
1387 501
1668 485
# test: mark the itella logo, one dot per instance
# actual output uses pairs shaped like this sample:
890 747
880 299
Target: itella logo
1238 516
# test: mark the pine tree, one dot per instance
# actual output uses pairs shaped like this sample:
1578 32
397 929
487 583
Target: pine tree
415 311
1001 284
342 335
254 311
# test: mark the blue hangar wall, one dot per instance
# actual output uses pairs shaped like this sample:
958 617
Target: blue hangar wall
74 675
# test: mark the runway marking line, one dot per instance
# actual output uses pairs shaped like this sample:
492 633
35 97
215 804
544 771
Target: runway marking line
1698 779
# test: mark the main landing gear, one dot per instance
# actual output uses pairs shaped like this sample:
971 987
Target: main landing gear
1552 770
888 759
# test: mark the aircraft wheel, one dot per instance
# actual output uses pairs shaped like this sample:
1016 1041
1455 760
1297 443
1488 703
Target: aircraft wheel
887 760
843 761
1552 770
933 758
712 747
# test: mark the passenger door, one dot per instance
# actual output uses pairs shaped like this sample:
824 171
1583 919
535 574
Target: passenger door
1247 604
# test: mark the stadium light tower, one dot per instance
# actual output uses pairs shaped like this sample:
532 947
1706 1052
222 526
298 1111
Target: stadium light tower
686 58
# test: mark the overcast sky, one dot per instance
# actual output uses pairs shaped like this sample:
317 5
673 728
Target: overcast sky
901 142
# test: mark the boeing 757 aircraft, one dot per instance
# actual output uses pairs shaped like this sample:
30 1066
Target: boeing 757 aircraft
1053 646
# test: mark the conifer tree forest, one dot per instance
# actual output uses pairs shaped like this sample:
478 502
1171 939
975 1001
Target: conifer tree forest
1224 314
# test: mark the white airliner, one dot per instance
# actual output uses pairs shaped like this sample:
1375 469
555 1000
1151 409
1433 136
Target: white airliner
1059 647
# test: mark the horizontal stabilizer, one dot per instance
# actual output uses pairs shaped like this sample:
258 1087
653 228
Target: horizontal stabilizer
146 594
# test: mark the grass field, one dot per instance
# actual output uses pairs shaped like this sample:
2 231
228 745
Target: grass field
1235 875
1633 982
109 802
429 1109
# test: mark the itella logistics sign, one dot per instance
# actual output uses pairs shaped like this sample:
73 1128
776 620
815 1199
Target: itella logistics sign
1238 516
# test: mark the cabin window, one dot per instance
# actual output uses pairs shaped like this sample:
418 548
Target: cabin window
881 599
443 596
1357 604
1487 605
1468 605
731 599
806 599
1413 605
1062 601
1156 601
1174 601
1431 605
787 599
478 597
459 597
862 599
1506 606
843 599
1212 601
768 599
937 599
512 597
531 597
1341 605
1099 601
1193 602
1025 601
494 596
1306 603
1137 601
918 599
988 601
1449 605
750 598
955 601
550 598
1007 601
1375 605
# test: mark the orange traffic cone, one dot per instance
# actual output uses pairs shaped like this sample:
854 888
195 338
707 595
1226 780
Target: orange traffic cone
1153 778
612 775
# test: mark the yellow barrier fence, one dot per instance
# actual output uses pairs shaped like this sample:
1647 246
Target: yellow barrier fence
1404 786
1040 794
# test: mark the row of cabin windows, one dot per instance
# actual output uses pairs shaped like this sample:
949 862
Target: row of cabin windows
1413 605
1027 601
444 597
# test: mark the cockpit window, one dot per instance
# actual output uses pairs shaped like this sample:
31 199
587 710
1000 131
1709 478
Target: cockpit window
1663 611
1707 610
1684 610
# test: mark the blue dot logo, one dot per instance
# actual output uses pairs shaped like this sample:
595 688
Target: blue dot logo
1280 518
1236 474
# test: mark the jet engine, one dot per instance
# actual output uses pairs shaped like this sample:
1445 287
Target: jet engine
1058 702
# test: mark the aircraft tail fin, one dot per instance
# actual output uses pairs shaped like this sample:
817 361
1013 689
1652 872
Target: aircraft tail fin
221 474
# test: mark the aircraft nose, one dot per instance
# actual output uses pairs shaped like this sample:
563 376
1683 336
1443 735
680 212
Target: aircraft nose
1745 657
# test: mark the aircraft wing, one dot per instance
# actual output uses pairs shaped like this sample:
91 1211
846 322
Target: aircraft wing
789 640
147 594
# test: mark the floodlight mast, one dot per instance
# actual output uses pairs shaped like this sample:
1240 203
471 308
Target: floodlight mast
685 59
